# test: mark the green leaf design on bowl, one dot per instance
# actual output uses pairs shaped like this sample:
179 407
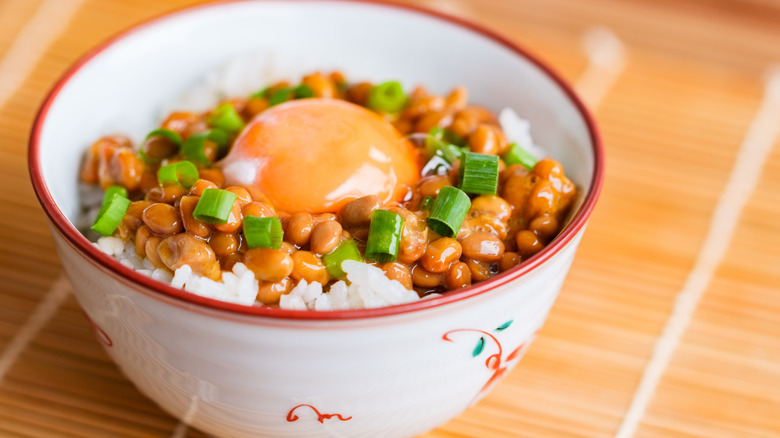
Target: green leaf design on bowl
480 346
505 325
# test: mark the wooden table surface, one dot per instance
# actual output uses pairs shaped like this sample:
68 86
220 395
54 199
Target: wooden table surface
669 322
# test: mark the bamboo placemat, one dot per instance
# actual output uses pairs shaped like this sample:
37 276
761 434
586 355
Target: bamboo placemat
684 113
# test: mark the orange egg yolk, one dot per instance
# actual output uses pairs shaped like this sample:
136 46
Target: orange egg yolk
316 155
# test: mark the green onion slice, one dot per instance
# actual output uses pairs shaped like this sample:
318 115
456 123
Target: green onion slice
182 172
112 211
280 96
167 134
111 191
263 232
426 203
518 155
388 97
303 91
187 172
347 250
449 152
221 138
478 173
436 166
448 211
342 86
384 236
436 144
226 118
447 136
260 94
193 148
214 206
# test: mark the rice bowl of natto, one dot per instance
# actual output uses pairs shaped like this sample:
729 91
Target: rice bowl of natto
235 366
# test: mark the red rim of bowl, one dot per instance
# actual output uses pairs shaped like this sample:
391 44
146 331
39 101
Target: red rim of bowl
77 240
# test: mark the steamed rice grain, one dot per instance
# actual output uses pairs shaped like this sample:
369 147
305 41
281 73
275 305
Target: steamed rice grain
366 286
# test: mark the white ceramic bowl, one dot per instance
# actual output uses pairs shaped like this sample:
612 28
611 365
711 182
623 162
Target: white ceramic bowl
237 371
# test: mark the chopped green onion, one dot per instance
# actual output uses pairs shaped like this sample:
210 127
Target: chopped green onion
303 91
111 212
284 94
260 94
388 97
347 250
518 155
384 236
342 86
449 152
436 166
265 232
437 145
111 191
447 136
214 206
437 132
426 203
449 210
226 118
478 173
168 174
167 134
188 173
455 151
182 172
280 96
193 148
221 138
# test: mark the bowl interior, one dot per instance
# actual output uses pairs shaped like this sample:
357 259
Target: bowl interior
126 86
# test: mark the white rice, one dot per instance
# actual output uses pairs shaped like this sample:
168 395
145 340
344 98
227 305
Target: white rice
125 253
366 285
518 130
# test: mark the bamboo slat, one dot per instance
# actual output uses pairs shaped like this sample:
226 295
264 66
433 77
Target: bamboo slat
672 123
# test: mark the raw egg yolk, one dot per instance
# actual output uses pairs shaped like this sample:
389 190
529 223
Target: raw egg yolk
316 155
